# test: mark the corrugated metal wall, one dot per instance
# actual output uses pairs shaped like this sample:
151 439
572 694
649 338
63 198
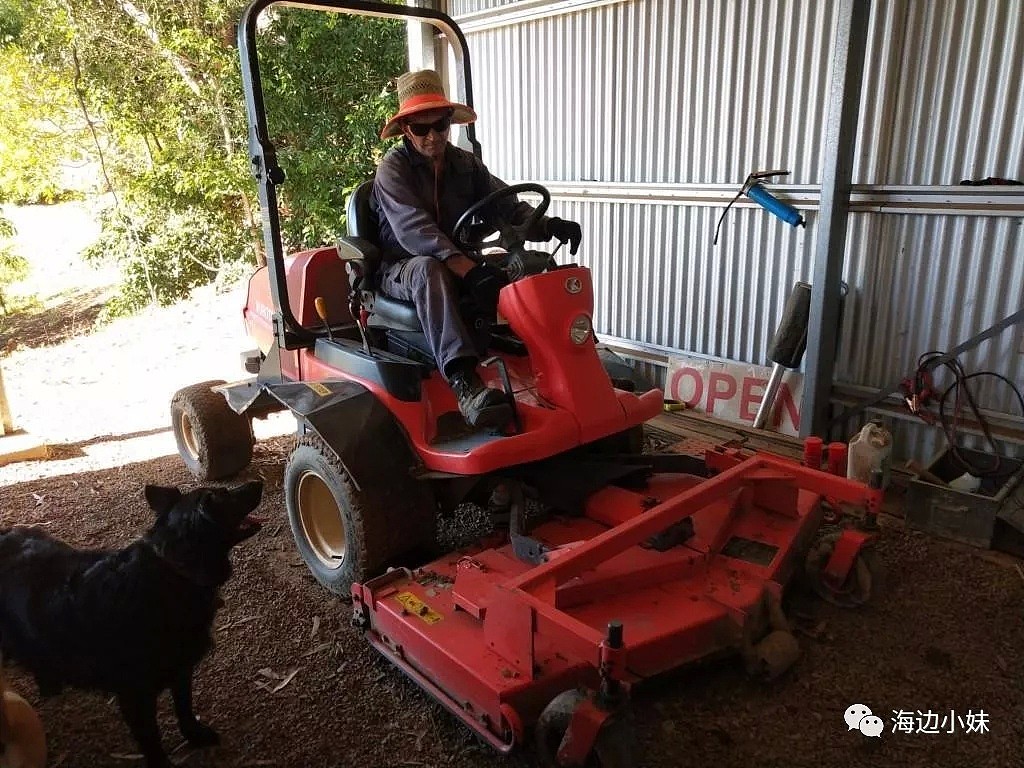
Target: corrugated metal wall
946 87
644 116
568 98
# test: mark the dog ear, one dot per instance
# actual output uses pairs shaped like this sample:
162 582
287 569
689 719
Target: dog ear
161 498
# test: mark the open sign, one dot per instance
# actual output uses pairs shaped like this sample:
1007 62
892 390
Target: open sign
733 391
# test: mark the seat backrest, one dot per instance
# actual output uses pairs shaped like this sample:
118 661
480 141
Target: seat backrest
361 246
361 214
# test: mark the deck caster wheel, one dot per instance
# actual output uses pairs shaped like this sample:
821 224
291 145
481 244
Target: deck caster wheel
862 584
614 747
773 655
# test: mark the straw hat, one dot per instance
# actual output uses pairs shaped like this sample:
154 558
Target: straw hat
421 91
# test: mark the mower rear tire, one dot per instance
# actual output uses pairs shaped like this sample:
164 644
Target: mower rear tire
214 442
615 746
343 533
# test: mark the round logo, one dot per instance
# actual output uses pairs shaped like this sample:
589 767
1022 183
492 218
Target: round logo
573 285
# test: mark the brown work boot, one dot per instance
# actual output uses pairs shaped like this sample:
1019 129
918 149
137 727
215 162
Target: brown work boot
481 405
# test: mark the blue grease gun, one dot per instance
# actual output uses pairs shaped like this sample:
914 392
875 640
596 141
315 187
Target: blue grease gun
753 189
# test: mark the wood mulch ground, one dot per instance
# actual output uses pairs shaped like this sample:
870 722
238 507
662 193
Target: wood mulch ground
945 637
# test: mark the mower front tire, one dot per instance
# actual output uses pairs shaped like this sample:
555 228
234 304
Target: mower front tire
343 533
214 442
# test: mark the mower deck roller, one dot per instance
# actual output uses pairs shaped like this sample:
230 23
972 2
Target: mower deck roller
617 599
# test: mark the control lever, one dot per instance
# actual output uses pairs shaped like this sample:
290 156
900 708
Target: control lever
507 386
321 310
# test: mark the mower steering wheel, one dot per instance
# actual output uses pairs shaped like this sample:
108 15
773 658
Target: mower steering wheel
511 236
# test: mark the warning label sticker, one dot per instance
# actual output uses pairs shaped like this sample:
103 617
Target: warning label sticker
415 606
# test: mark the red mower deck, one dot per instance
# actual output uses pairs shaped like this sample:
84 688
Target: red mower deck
495 639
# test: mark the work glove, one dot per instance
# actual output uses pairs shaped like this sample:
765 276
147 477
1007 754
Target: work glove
565 231
483 283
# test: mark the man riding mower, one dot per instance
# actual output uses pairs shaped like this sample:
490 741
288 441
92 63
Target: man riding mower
420 192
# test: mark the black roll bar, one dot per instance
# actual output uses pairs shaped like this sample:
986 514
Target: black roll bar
289 333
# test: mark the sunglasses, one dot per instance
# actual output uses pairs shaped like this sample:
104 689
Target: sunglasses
422 129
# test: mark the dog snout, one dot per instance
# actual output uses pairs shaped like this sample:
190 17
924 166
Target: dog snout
249 494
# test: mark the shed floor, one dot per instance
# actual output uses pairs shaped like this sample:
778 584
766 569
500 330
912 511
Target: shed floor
946 636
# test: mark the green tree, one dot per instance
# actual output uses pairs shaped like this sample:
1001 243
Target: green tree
11 21
156 84
12 266
40 132
326 111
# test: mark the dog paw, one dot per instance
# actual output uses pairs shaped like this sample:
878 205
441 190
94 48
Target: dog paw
201 735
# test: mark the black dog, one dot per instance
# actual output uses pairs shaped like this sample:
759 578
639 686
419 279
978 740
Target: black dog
132 622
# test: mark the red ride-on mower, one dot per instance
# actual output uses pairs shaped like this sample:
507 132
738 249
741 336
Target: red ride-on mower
609 566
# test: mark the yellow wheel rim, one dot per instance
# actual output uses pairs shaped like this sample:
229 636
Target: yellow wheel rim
188 436
321 520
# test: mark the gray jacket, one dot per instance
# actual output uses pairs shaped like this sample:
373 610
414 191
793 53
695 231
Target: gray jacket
418 212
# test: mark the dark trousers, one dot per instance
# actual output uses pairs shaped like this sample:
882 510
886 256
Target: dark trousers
434 289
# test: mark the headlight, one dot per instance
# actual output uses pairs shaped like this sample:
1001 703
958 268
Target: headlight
580 329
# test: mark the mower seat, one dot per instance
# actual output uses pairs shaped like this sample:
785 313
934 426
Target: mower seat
398 319
363 244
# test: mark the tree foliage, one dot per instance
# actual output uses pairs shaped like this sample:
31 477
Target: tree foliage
328 136
154 88
40 133
11 21
13 267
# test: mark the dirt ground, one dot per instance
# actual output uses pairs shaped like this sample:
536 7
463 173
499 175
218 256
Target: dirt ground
945 636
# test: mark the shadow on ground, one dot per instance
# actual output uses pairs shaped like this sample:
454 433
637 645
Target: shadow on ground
73 315
62 451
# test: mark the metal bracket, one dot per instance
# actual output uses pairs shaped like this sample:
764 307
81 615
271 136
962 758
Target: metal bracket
529 550
526 548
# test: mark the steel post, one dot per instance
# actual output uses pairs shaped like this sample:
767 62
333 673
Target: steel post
840 142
